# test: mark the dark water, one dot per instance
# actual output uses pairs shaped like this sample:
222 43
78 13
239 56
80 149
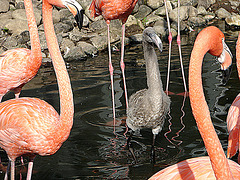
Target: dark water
93 151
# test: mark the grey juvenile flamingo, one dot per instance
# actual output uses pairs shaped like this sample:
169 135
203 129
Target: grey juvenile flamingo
148 107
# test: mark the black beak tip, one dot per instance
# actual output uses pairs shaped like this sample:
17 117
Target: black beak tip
226 75
79 19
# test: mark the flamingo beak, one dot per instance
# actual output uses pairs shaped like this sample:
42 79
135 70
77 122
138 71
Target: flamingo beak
76 9
157 41
225 60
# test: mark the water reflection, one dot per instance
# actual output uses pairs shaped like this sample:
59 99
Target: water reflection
93 151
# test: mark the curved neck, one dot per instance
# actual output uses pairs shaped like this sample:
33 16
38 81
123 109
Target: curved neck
208 40
36 54
153 74
65 91
238 55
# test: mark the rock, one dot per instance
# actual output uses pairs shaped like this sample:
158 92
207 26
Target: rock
21 14
234 3
131 20
9 42
100 42
84 3
154 4
184 11
233 20
161 11
183 25
209 17
56 16
188 2
206 3
62 27
75 35
4 6
152 19
160 30
66 44
98 26
87 48
193 12
143 12
201 10
223 13
196 21
24 37
16 26
74 53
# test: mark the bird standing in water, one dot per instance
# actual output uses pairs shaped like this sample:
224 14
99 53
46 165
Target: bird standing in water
30 126
216 165
110 10
148 107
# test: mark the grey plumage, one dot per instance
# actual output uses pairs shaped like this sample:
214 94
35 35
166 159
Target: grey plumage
148 107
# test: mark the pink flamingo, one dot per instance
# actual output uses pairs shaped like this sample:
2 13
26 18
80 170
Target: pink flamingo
19 66
216 165
30 126
110 10
233 118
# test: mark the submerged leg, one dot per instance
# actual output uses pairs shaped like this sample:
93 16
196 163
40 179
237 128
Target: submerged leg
111 73
123 65
8 168
153 149
130 148
179 47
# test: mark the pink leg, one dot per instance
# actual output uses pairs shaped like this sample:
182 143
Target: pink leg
170 45
12 169
179 47
30 167
111 72
123 65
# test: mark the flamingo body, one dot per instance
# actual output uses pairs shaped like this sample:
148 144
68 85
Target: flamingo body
210 40
32 130
195 168
233 126
233 118
16 69
112 9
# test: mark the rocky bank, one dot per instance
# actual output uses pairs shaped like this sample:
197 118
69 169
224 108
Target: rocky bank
78 45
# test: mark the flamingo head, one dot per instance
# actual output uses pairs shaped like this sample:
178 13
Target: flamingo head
73 6
150 36
225 59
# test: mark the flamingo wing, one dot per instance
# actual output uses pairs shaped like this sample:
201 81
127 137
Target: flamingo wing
195 168
233 125
27 125
14 69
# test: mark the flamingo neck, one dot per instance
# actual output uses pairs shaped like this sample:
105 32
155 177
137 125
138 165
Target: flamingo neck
65 90
238 55
152 69
207 41
36 55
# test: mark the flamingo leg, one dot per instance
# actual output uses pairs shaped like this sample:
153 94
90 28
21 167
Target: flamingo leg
170 46
123 65
179 47
153 149
30 167
130 148
111 72
6 174
12 169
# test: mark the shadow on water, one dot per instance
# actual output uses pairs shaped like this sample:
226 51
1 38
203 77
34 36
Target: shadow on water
93 151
